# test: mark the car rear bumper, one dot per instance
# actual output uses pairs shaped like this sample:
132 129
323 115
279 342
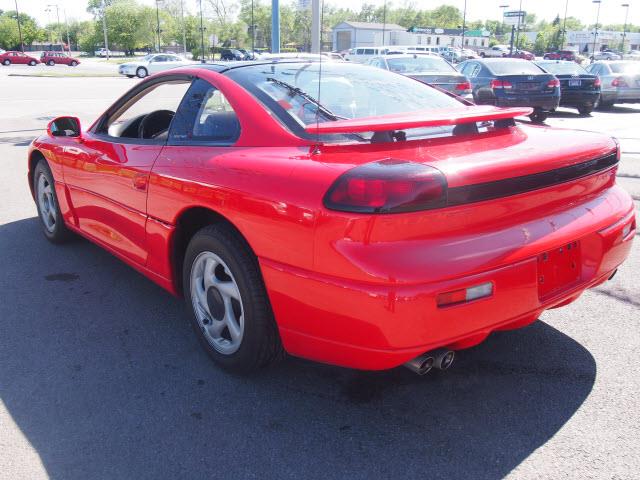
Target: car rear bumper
545 102
380 326
573 98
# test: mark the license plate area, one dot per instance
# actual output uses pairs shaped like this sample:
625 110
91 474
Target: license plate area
559 269
575 82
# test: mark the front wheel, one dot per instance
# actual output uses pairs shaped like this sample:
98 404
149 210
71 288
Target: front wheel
51 63
538 116
47 204
227 300
32 63
141 72
74 63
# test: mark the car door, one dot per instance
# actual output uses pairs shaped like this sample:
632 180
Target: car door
159 63
107 170
19 58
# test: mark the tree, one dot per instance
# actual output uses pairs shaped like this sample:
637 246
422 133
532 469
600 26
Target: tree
9 35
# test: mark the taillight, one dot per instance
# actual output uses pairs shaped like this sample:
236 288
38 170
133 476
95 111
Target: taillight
463 86
619 82
553 83
500 84
597 82
388 186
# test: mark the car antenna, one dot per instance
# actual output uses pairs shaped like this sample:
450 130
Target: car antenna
316 147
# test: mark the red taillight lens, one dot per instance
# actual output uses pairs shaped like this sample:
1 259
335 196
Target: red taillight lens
619 82
553 83
501 84
597 82
463 86
388 186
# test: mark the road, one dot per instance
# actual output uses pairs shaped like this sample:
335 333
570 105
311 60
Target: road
101 377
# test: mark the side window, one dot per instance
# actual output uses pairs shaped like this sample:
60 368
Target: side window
368 51
360 51
204 117
148 114
160 58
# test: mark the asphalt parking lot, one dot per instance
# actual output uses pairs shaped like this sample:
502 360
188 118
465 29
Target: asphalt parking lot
101 377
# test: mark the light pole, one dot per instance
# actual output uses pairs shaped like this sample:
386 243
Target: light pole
504 8
518 27
464 23
104 28
184 30
66 25
19 27
564 25
253 34
384 21
201 34
624 29
57 17
595 34
158 22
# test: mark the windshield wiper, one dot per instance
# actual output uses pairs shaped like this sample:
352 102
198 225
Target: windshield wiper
298 91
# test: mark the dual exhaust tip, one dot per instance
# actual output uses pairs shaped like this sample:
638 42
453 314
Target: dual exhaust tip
441 359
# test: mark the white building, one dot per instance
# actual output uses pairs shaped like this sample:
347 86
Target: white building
581 41
359 34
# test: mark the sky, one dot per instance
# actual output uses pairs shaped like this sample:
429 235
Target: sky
611 10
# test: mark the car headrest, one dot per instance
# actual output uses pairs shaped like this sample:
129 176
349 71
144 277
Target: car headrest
220 127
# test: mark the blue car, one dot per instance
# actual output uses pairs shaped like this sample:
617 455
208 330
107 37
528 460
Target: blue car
513 82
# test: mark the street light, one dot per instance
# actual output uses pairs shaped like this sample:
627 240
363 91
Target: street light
158 22
19 27
57 16
464 23
104 28
564 25
201 34
184 30
624 29
518 27
595 34
504 8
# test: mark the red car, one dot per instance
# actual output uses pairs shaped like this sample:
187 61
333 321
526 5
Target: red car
53 58
523 54
17 58
561 55
386 224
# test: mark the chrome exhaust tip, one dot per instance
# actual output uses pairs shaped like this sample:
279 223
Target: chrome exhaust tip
421 364
443 358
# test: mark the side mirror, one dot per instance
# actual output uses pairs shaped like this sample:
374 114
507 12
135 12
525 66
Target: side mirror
64 127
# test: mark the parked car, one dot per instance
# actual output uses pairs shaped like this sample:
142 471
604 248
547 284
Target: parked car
605 55
153 63
568 55
433 70
53 58
496 51
230 54
513 82
578 88
620 81
411 233
17 58
2 51
525 55
102 52
364 54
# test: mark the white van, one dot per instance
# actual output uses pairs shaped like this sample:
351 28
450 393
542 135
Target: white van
363 54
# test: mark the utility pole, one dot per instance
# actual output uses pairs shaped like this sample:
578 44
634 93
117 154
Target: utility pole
384 21
66 24
19 27
595 34
104 28
253 34
184 30
564 25
315 26
624 29
275 26
518 27
201 34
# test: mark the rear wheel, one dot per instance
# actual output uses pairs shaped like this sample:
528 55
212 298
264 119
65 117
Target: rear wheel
538 116
585 109
32 63
227 300
51 63
49 213
141 72
74 63
6 62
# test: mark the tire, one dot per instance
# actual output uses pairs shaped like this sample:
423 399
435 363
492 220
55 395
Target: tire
585 110
130 76
602 105
74 63
141 72
219 249
482 54
538 117
32 63
51 63
47 204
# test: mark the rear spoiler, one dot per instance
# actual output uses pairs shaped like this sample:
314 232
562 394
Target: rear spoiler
420 118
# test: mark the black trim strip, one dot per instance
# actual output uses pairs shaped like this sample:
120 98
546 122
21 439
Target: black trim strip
513 186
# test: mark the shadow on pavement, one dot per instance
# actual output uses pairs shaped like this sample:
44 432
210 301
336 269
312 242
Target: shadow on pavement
100 371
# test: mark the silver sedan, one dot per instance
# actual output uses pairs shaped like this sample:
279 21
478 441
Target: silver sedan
620 81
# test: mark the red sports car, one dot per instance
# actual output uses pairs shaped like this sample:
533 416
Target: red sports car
337 212
17 58
53 58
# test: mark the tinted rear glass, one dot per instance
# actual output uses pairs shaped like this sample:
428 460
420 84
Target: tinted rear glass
510 67
418 64
563 68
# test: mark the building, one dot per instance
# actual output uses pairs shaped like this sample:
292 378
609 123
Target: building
359 34
581 41
348 35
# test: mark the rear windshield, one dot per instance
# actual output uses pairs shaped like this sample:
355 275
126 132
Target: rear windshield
563 68
511 67
625 67
419 64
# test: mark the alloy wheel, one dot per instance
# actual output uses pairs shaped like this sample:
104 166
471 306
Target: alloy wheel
46 202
